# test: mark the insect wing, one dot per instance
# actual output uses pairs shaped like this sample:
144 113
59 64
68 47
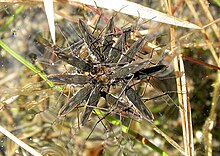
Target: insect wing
116 51
88 37
126 70
80 96
39 39
90 40
110 99
141 74
134 97
128 56
43 46
93 101
76 62
68 79
108 38
158 84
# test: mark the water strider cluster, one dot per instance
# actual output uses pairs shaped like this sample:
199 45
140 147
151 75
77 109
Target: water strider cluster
104 62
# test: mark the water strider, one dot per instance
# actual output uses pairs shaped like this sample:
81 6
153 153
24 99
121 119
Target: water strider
135 99
77 99
68 79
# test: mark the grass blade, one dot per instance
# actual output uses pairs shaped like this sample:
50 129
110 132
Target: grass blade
19 142
28 64
11 18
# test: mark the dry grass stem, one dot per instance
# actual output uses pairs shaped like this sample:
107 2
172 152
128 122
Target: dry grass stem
168 139
206 35
184 104
204 4
186 111
19 142
209 124
211 120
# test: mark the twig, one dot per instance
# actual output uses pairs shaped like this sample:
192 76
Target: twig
200 62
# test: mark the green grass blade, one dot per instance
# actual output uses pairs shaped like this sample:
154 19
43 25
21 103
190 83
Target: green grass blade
28 65
12 17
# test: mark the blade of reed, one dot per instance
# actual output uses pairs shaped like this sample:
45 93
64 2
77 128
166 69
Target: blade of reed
126 7
48 5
